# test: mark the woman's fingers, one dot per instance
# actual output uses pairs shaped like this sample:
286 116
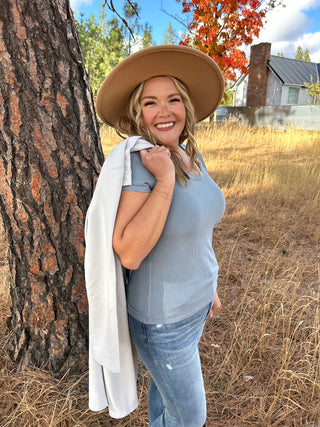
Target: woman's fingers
157 160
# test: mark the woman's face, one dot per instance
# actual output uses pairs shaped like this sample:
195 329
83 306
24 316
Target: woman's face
163 111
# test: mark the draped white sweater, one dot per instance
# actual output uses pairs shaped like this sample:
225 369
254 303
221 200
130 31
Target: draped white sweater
112 367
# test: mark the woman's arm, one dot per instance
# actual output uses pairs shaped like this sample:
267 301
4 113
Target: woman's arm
141 216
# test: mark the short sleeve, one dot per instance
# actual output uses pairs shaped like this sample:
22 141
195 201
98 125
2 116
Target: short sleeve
142 180
200 158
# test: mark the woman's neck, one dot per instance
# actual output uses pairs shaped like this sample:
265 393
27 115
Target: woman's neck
188 167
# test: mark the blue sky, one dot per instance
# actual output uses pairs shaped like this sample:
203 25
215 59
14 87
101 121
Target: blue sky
152 12
286 28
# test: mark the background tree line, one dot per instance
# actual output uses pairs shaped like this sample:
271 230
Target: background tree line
105 42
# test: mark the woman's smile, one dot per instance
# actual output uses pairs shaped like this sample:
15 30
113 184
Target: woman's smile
164 126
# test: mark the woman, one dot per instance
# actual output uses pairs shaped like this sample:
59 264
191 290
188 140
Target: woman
163 227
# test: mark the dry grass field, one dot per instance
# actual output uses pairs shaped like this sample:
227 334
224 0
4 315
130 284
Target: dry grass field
261 353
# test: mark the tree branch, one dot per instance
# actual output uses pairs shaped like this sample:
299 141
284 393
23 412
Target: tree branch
111 7
175 18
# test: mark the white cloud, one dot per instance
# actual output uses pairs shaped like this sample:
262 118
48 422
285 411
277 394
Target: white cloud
289 27
311 41
75 4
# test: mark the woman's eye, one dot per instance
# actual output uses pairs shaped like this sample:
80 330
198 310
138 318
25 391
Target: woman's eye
148 103
175 100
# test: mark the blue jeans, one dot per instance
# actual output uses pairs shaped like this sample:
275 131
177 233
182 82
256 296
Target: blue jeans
170 353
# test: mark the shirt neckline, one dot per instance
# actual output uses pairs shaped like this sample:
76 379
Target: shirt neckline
191 175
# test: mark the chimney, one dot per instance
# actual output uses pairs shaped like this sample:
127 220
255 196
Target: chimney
258 75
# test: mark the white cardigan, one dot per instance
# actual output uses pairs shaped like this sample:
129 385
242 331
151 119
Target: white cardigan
112 367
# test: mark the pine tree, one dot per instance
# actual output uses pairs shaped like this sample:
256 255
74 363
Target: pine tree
302 55
147 39
102 45
169 36
306 56
299 53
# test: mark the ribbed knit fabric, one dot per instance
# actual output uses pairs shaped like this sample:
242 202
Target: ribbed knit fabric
179 276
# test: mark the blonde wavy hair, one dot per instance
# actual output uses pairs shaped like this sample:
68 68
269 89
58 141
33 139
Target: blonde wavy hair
133 124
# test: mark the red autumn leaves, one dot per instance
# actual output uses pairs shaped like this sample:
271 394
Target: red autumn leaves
220 28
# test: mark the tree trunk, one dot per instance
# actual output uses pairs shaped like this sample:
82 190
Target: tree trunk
50 158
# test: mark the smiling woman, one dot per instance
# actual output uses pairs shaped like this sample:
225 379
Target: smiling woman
173 103
162 229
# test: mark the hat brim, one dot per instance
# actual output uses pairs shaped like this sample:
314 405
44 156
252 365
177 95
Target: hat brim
196 70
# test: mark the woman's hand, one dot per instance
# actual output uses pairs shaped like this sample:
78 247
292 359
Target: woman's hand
215 306
158 161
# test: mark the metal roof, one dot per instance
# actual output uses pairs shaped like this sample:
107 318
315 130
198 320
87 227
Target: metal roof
293 71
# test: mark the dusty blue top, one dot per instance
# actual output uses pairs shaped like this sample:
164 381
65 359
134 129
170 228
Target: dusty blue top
179 276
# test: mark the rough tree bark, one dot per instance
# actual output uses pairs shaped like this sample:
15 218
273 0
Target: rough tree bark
50 158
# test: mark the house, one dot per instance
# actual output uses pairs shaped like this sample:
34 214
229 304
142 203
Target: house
274 80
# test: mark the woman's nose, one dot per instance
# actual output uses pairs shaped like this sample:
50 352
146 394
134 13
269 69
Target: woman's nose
164 110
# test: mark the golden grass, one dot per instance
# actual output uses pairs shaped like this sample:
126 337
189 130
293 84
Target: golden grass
261 353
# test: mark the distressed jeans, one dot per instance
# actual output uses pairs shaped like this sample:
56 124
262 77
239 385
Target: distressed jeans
170 353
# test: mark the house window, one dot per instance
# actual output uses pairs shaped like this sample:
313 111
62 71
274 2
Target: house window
293 95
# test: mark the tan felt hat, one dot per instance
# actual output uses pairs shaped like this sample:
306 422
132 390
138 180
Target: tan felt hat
195 69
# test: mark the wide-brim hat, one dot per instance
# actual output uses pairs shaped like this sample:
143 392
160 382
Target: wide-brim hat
200 74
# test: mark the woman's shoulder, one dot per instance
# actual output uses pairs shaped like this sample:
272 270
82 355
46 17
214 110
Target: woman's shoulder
139 173
136 163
